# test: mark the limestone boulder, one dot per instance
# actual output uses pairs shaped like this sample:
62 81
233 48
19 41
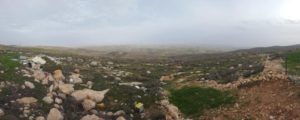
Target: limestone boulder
96 96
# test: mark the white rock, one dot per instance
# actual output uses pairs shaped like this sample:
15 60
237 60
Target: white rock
48 99
51 88
90 84
27 100
74 78
91 117
62 95
39 75
29 84
55 114
66 88
119 113
58 101
94 63
96 96
131 83
88 104
58 75
44 82
2 113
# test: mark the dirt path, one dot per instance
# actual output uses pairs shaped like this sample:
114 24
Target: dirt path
273 98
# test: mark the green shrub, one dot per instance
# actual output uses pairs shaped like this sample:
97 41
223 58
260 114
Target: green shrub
192 101
293 62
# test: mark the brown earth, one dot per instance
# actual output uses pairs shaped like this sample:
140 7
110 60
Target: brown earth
275 98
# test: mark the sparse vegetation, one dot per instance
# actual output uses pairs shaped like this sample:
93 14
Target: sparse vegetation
192 101
293 62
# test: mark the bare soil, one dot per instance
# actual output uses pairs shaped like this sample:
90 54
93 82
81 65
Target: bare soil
273 99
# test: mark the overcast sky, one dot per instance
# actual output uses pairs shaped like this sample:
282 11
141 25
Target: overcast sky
119 22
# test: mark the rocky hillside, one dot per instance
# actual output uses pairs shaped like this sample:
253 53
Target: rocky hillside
38 84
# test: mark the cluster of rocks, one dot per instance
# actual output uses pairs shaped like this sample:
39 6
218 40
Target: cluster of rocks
271 72
59 89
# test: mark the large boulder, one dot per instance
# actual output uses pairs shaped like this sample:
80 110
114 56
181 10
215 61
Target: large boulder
26 100
91 117
55 114
58 75
96 96
66 88
88 104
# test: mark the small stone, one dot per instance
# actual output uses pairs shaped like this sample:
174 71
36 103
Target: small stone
27 100
119 113
44 82
94 111
26 111
88 104
66 88
58 101
96 96
29 84
121 118
56 106
110 114
91 117
101 106
40 118
62 95
77 71
94 63
58 75
55 114
23 86
48 99
2 113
